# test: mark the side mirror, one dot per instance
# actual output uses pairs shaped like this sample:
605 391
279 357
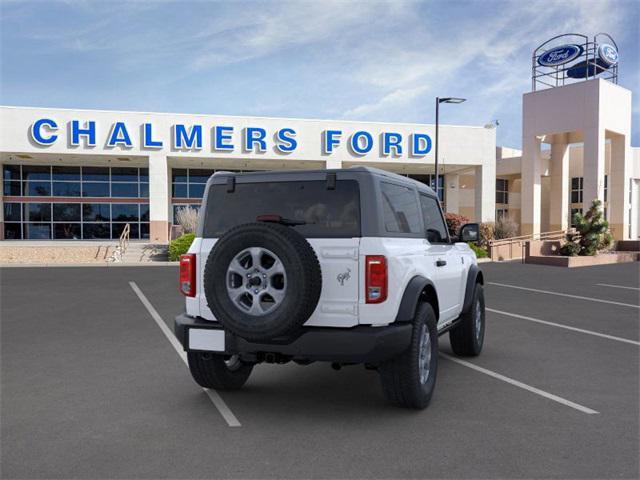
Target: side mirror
469 232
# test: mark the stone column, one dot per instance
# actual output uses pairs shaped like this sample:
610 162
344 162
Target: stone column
485 192
618 188
559 195
452 192
593 167
531 188
159 198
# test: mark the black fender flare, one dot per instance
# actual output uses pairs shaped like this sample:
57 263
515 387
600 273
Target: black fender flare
474 276
411 297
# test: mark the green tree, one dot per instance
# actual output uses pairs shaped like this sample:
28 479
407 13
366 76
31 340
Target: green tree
591 235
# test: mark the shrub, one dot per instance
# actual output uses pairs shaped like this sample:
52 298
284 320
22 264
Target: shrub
454 222
487 233
591 235
479 251
180 246
505 227
187 218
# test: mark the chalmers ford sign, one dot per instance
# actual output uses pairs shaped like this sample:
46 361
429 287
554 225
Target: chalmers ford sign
222 138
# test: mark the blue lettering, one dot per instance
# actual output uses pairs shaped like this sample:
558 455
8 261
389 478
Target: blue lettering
286 141
255 135
89 131
329 141
186 139
391 140
147 138
36 131
421 144
119 136
356 144
221 137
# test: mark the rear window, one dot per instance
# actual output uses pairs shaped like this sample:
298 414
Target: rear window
327 213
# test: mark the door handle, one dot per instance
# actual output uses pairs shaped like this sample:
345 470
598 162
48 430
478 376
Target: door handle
441 263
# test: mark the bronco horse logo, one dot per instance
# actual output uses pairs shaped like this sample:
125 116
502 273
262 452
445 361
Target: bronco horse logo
343 277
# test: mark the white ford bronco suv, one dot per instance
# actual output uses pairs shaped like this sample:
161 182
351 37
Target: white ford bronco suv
345 266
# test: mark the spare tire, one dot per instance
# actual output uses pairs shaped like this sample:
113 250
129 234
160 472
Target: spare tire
262 281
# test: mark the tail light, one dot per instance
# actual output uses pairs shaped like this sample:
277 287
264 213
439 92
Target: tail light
188 275
376 278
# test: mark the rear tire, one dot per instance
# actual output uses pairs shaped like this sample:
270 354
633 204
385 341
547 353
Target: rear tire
409 379
468 337
219 372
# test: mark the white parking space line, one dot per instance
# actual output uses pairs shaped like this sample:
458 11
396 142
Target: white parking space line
216 399
617 286
566 327
579 297
524 386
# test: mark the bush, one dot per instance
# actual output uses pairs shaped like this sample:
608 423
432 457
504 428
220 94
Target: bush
180 246
479 251
187 218
454 222
505 227
591 235
487 233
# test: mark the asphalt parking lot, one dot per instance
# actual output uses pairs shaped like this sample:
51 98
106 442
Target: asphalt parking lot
93 388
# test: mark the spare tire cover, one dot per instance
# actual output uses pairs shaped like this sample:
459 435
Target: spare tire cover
262 281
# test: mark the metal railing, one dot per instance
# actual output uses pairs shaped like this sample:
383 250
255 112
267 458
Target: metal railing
123 244
519 243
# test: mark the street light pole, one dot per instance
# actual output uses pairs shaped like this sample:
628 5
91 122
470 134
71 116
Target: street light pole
438 102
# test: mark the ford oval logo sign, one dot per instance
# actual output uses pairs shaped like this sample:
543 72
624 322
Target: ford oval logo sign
560 55
608 54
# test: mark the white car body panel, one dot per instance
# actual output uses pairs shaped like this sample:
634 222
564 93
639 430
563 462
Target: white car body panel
342 301
338 304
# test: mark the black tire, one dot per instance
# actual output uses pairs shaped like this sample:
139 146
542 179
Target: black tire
466 339
219 372
400 376
303 281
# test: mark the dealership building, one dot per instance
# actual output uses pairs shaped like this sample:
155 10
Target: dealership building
85 174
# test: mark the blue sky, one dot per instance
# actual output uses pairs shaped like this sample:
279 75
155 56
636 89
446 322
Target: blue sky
368 60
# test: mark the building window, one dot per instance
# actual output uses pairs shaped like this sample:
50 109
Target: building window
74 221
430 180
502 190
189 182
606 187
179 206
576 190
502 213
63 181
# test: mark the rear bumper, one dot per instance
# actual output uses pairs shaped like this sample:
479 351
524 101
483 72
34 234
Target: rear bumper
361 344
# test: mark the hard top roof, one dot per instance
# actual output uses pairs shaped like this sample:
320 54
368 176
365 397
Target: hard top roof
267 174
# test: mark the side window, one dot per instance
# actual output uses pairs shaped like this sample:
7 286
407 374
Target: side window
400 209
433 222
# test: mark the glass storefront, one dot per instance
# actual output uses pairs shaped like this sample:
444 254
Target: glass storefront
63 213
74 221
59 181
